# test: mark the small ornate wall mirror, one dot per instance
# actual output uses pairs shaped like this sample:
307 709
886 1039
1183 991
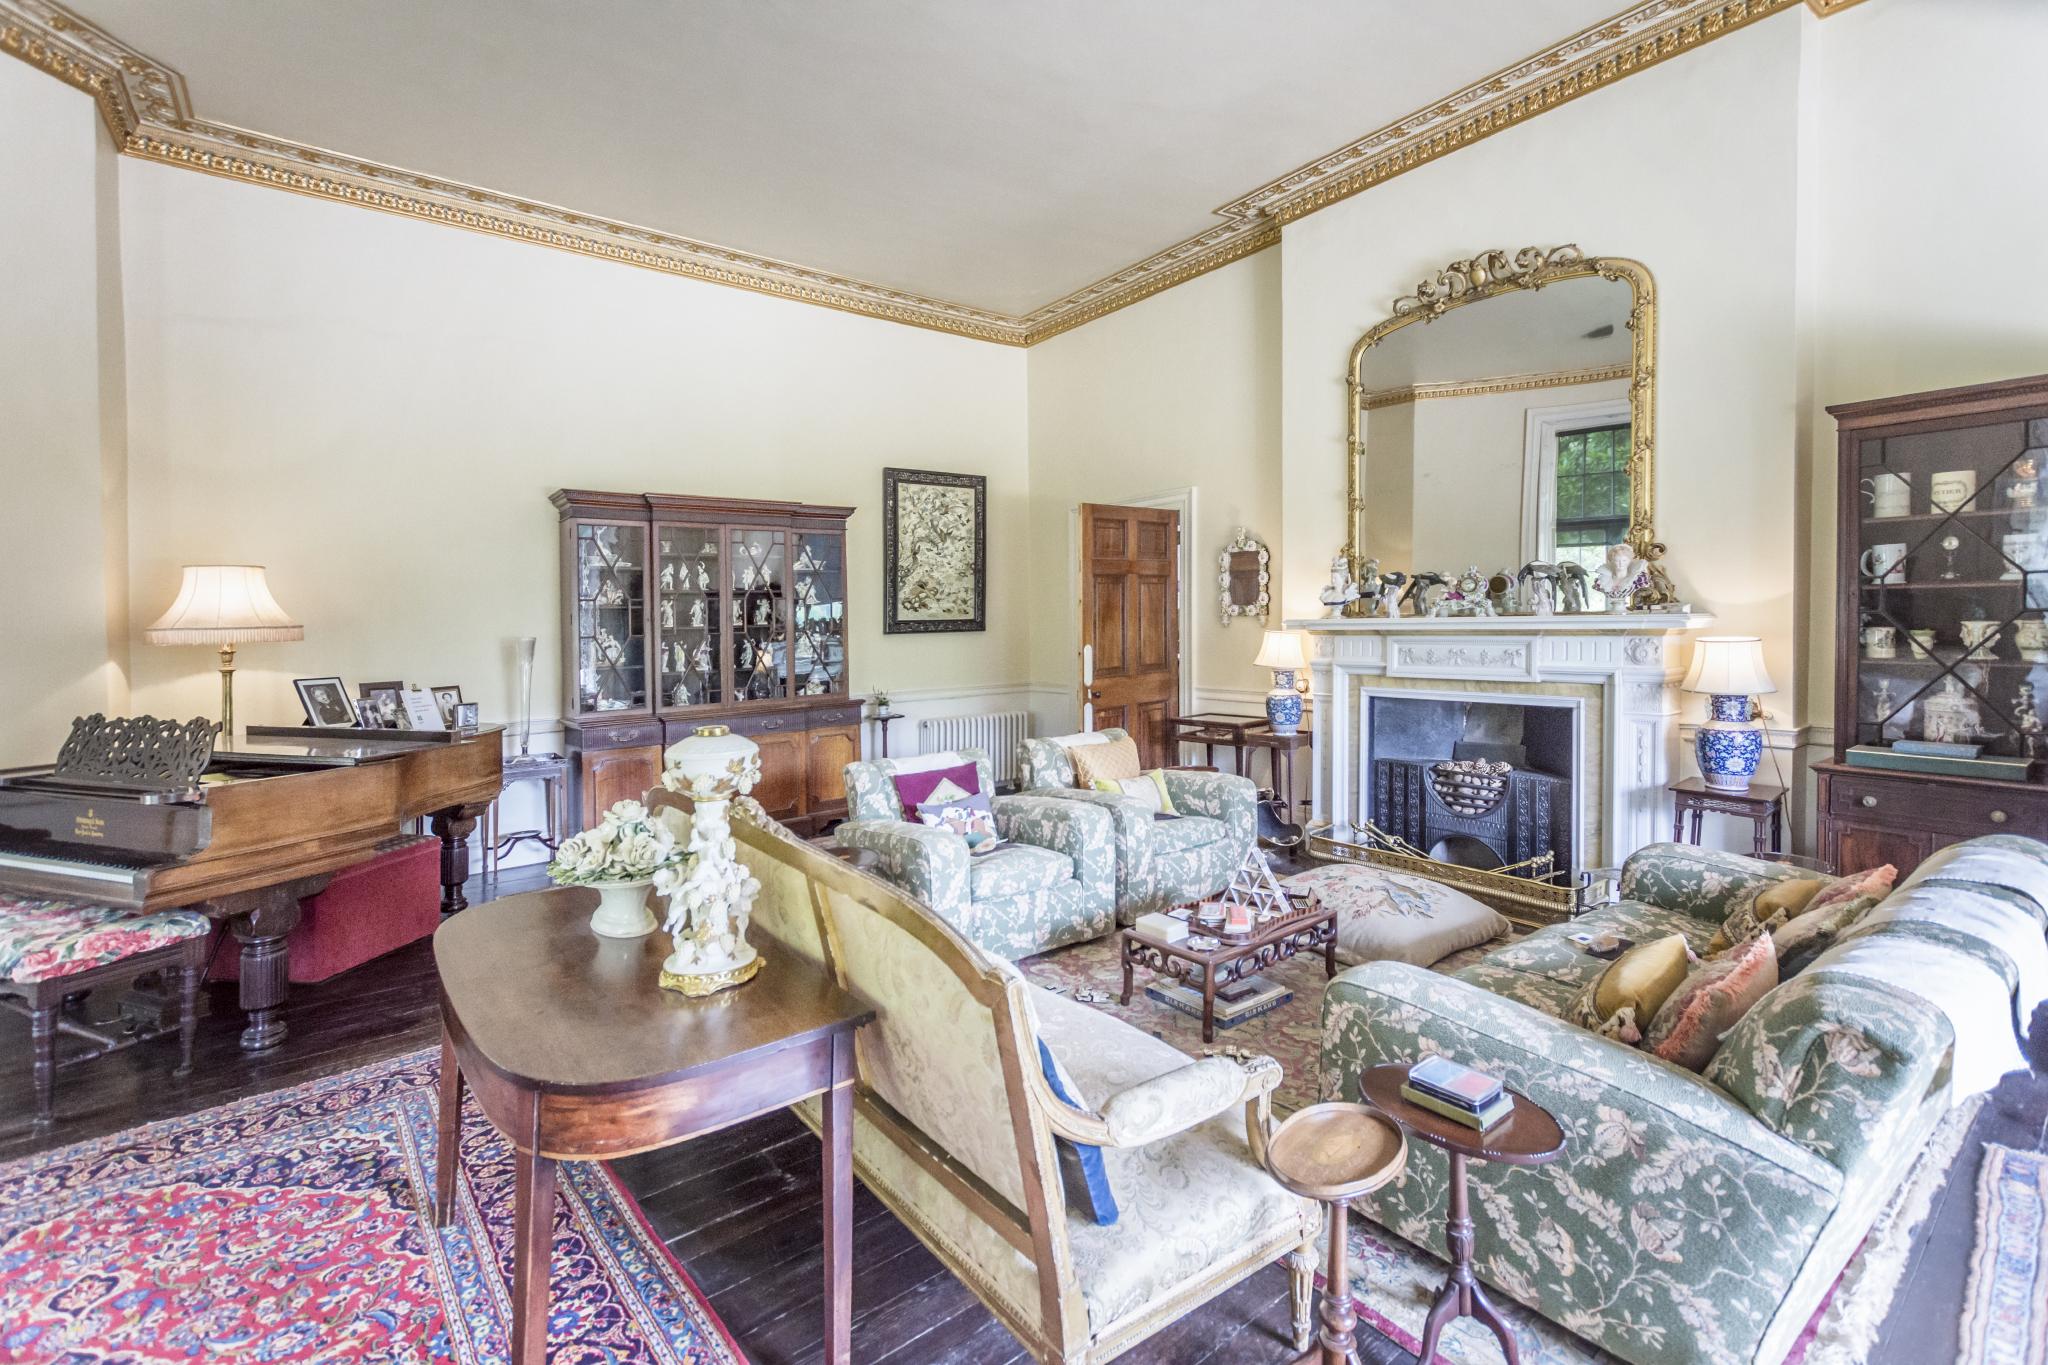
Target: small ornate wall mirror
1241 577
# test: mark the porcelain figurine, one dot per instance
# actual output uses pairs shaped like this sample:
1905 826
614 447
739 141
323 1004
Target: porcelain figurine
712 895
1538 584
1658 592
2029 721
697 613
703 579
1620 576
1343 590
668 615
1423 591
1949 717
1464 595
668 578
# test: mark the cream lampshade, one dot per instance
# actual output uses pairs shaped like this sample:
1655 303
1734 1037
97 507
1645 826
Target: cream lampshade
1280 651
1730 670
224 605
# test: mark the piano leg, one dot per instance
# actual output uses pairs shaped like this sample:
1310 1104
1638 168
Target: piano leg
260 922
454 826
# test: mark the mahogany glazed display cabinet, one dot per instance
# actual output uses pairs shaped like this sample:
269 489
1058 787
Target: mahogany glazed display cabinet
1941 645
686 611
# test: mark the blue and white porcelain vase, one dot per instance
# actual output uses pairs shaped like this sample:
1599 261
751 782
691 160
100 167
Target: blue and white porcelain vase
1283 703
1731 743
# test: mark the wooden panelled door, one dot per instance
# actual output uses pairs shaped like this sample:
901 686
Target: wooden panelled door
1130 622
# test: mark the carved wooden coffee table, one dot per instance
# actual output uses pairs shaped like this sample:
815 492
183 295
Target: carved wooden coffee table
1233 958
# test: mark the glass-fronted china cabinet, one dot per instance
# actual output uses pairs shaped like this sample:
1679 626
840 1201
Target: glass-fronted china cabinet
1942 624
685 611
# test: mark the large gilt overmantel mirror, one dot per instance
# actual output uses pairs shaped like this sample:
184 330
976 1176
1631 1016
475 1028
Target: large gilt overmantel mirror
1514 434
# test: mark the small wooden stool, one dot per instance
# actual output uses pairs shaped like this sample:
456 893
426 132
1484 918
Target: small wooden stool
1333 1153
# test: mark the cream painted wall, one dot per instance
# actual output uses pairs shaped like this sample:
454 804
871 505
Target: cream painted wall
60 454
1181 390
377 410
1704 153
1928 157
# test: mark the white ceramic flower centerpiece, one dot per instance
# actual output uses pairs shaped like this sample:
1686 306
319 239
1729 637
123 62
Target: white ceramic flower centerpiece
711 895
623 855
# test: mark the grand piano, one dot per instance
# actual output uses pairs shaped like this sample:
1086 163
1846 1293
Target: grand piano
148 814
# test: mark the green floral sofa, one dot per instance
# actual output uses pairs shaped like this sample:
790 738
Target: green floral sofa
1158 862
1054 884
1702 1218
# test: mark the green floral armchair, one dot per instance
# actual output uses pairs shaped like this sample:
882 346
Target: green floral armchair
1693 1218
1158 862
1052 883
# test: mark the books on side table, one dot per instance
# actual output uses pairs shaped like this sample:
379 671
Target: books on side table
1457 1093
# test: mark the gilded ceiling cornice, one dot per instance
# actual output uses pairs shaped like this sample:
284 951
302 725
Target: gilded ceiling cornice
1506 383
145 105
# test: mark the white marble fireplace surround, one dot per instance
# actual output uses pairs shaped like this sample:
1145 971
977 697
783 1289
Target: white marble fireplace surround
1620 672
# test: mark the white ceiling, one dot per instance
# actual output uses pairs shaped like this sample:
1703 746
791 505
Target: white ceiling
986 152
1538 331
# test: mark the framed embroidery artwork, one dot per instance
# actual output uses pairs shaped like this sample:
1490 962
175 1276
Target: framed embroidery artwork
934 551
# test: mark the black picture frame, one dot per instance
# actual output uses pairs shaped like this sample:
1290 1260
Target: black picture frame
326 701
903 515
388 698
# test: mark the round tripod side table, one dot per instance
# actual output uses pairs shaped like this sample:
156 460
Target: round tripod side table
1333 1153
1527 1137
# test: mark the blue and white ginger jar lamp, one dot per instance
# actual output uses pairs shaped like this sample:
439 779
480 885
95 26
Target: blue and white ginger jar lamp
1729 669
1281 652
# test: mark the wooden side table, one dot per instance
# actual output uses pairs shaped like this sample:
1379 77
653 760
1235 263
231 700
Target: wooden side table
552 772
1527 1137
1240 734
1334 1153
882 720
575 1053
1762 805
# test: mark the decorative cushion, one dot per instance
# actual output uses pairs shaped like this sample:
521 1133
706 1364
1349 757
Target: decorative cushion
973 818
1396 917
1805 937
914 789
1690 1025
1621 1001
1015 870
1116 759
1765 909
1081 1168
41 939
1148 789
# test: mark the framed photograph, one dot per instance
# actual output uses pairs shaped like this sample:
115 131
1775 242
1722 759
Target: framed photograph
446 699
934 551
466 717
387 704
326 701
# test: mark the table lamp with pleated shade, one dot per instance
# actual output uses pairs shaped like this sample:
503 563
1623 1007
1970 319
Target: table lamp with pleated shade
224 605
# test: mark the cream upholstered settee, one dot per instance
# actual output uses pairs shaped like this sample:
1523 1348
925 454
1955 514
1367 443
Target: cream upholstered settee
954 1122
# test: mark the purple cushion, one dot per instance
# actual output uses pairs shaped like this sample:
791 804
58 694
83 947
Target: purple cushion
914 789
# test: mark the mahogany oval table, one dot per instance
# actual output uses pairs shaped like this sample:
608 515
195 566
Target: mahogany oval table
575 1053
1529 1136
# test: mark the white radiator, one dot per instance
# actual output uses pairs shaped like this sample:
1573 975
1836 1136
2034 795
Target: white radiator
998 734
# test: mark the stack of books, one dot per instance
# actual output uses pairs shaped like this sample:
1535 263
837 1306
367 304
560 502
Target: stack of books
1458 1093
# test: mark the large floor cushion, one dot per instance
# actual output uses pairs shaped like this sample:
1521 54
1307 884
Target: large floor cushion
1179 1198
1015 870
41 939
1385 916
1547 969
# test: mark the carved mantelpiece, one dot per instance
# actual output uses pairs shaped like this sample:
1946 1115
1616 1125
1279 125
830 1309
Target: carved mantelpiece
1624 666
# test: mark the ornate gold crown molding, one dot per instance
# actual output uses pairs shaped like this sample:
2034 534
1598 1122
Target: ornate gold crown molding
146 107
1506 383
1824 8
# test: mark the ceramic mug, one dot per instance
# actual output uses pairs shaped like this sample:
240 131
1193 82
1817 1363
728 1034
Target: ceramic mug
1952 490
1890 495
1885 563
2032 637
1922 642
1978 637
1881 642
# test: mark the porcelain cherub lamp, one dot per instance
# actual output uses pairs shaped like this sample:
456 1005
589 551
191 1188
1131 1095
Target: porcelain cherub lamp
711 894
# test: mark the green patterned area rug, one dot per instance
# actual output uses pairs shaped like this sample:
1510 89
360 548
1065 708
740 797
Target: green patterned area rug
2005 1309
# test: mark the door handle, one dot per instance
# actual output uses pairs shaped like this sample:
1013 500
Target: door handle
1094 694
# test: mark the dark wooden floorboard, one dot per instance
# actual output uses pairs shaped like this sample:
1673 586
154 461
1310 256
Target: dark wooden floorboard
741 1208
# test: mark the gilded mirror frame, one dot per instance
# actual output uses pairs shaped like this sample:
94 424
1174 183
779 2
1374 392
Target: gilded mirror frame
1490 275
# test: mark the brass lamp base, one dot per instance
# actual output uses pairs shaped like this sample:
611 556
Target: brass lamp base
709 983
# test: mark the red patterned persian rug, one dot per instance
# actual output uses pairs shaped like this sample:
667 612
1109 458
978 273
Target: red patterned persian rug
297 1227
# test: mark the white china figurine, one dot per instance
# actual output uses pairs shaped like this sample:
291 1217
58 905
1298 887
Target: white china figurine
668 578
697 613
668 614
712 894
1620 575
703 578
1343 589
2029 720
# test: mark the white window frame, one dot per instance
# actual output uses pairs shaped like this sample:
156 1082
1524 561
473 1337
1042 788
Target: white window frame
1541 427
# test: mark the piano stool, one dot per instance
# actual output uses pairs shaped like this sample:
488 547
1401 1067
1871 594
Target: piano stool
51 950
368 910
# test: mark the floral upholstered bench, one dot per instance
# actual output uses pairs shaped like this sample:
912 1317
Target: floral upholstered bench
51 950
